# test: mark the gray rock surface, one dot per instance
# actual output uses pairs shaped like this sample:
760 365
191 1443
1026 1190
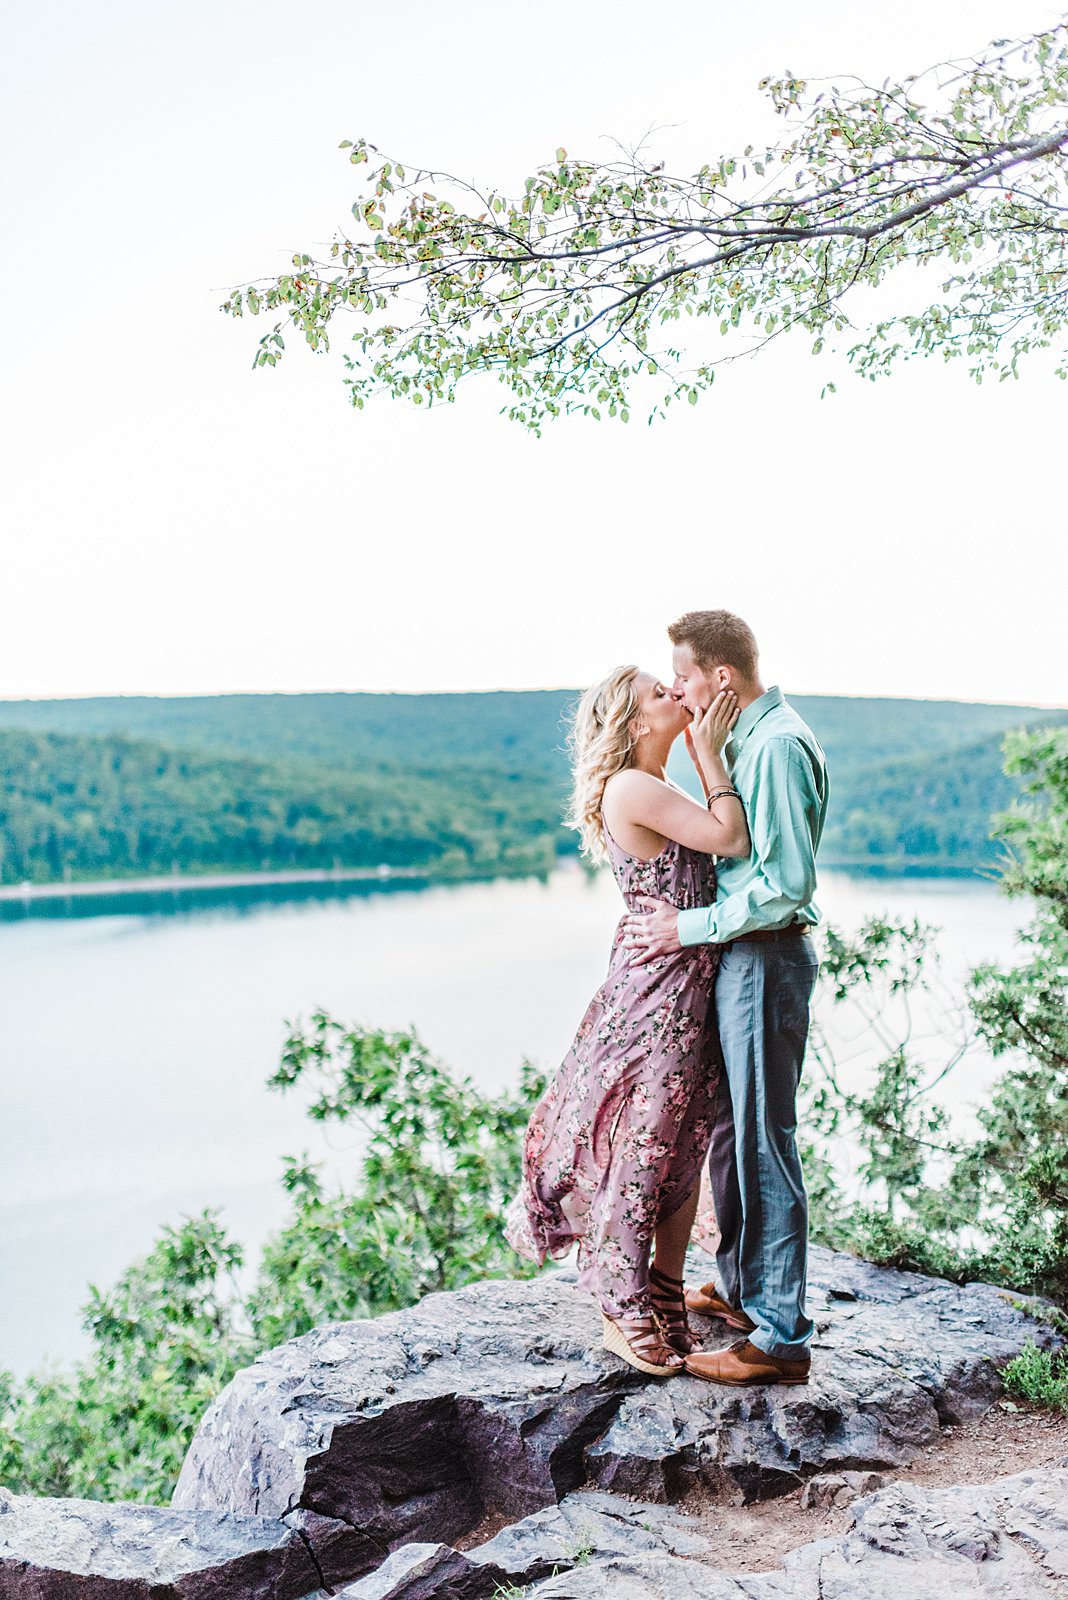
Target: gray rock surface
896 1355
498 1399
428 1572
584 1523
56 1549
838 1489
1007 1540
582 1527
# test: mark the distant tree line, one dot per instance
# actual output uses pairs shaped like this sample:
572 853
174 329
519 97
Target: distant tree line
930 811
113 807
446 784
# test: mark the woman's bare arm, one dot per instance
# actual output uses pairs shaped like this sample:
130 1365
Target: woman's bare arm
639 799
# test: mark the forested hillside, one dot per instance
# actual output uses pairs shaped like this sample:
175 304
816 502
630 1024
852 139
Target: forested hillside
508 731
924 812
442 783
114 807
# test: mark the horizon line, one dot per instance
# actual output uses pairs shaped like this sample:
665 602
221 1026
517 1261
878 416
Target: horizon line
422 694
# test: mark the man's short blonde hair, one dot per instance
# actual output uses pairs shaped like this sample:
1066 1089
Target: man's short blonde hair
717 639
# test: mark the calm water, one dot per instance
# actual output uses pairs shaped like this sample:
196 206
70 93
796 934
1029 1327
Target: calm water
137 1035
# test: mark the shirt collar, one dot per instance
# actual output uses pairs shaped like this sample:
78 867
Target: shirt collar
753 712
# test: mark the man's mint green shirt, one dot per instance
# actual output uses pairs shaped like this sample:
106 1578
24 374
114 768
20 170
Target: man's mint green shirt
776 764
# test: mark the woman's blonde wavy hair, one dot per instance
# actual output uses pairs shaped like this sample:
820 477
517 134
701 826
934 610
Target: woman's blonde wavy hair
602 741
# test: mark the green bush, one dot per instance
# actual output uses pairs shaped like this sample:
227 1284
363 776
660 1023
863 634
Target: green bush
165 1340
993 1206
1040 1376
437 1163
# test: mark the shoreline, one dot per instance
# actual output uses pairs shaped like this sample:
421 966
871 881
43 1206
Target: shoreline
213 880
178 883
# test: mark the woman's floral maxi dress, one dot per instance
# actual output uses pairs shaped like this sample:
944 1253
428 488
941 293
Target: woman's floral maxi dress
620 1136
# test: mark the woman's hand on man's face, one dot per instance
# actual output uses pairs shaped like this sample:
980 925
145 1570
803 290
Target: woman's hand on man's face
709 729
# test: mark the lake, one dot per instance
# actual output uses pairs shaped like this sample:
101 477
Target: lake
138 1033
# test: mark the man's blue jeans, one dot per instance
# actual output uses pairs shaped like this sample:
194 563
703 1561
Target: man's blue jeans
763 994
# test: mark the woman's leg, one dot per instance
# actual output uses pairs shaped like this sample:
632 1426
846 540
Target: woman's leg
665 1275
672 1236
616 1247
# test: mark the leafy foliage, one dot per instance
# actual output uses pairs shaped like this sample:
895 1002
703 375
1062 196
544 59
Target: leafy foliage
438 1163
878 1197
1019 1168
569 292
165 1340
994 1205
1040 1376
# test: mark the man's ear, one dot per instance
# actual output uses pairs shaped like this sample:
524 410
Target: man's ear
723 677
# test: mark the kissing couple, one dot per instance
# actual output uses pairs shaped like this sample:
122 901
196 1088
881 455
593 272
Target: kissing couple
692 1048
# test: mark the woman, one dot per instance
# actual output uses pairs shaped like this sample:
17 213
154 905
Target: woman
613 1153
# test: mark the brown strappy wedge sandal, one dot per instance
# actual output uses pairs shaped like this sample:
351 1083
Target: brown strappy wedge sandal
667 1295
640 1342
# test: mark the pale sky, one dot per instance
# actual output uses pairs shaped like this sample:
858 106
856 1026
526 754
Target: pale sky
174 522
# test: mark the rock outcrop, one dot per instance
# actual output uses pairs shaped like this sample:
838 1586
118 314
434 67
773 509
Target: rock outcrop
498 1399
87 1549
359 1458
828 1489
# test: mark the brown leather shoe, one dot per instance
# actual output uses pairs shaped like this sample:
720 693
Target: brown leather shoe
708 1302
743 1363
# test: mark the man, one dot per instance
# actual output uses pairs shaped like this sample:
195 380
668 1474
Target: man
762 919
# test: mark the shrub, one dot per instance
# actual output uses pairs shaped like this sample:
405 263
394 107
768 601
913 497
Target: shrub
1040 1376
423 1210
116 1425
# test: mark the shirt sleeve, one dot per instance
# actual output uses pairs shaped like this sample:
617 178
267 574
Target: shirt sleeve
783 816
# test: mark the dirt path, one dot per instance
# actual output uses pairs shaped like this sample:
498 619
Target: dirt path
756 1538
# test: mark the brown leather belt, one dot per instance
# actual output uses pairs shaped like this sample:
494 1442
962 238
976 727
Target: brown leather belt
793 930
